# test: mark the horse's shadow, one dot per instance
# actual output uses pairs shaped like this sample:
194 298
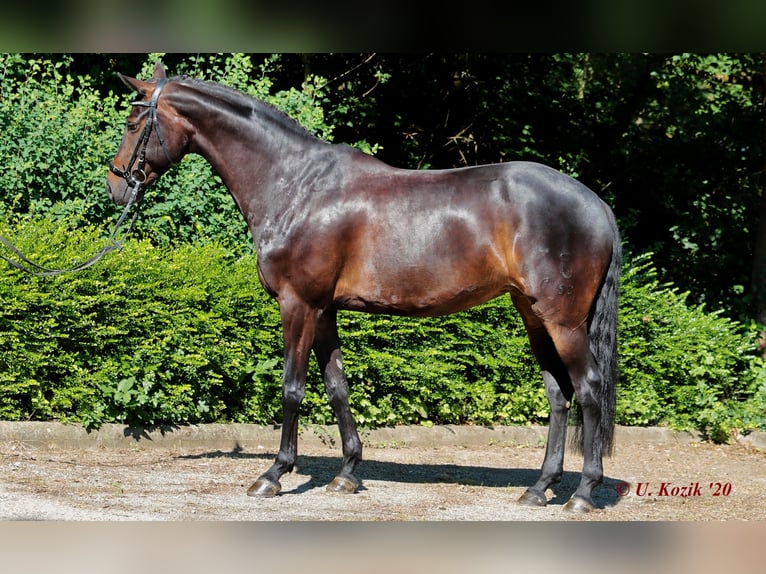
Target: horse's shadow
320 470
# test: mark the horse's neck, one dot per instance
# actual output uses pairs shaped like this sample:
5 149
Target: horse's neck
246 152
251 155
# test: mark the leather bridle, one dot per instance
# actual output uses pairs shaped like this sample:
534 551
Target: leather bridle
136 175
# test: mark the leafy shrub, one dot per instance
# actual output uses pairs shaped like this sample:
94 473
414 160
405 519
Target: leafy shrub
57 137
154 335
472 367
147 336
681 365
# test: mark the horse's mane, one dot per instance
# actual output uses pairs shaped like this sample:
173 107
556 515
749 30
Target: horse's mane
243 104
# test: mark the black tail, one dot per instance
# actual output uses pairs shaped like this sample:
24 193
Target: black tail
602 332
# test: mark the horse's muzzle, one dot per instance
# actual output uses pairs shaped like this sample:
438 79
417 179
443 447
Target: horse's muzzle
120 192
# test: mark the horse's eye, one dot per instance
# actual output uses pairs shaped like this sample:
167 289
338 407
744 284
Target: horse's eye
132 126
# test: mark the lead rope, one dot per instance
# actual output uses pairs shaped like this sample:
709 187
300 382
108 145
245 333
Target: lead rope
28 266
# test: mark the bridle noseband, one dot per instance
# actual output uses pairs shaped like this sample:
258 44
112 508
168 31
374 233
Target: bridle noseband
137 176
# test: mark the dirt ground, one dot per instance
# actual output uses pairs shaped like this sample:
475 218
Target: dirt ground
649 482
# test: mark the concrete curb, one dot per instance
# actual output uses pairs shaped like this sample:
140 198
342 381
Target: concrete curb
231 436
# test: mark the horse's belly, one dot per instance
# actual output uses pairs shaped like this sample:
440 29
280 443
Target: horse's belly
418 294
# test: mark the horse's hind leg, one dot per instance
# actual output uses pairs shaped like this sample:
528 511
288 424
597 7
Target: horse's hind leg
574 350
327 351
558 389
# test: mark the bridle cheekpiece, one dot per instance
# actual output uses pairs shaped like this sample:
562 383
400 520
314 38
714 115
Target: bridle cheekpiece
136 176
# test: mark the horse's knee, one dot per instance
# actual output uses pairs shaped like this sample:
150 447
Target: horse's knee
292 396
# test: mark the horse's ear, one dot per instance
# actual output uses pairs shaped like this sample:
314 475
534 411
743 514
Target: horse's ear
159 70
143 88
133 84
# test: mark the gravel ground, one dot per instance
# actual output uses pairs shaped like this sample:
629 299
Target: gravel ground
670 481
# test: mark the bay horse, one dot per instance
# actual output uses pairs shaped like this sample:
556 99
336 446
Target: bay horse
337 229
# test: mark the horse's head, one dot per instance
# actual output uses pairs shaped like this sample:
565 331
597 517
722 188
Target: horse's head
154 139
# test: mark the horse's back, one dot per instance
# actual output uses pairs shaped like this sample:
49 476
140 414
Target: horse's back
495 191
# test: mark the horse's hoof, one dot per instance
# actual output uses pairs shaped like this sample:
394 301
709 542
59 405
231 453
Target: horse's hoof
264 488
530 498
343 485
578 505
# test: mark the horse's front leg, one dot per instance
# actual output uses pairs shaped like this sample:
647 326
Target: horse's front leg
298 328
327 350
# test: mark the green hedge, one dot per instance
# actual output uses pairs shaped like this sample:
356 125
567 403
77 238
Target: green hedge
682 365
146 336
154 335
